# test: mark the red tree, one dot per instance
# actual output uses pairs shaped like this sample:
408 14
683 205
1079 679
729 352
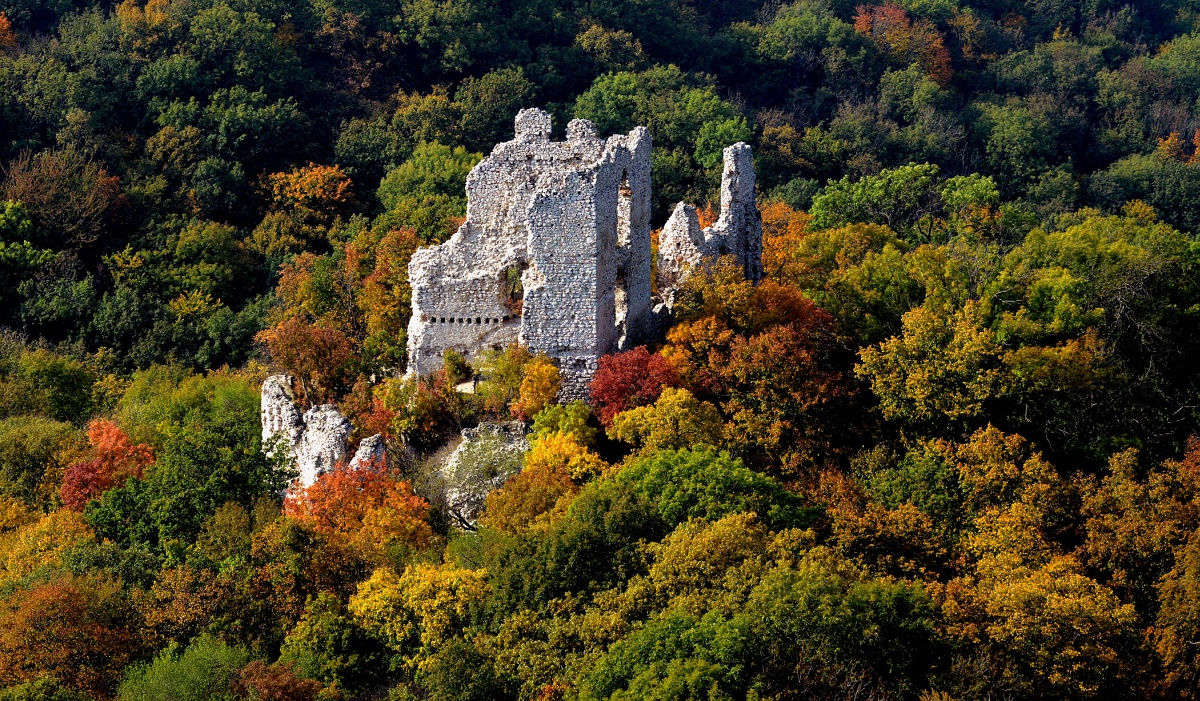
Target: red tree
319 357
114 460
905 40
71 629
628 380
274 682
340 499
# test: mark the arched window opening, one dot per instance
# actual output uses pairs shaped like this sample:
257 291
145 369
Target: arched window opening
512 292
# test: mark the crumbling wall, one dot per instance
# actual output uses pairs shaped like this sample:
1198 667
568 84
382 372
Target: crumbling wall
682 245
570 221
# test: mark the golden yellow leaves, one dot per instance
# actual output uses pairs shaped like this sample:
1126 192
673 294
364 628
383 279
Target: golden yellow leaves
540 383
677 420
40 543
419 610
555 466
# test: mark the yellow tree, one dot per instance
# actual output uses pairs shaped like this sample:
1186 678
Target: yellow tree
554 467
540 383
40 543
1064 630
1177 626
677 420
419 611
941 368
1137 519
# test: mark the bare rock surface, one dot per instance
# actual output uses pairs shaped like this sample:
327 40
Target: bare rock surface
317 440
487 457
323 444
281 420
371 453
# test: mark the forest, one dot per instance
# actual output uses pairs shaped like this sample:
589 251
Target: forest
948 449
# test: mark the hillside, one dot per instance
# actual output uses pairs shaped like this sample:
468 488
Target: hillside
948 449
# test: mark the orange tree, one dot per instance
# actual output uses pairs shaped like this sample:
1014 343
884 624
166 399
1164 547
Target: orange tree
771 360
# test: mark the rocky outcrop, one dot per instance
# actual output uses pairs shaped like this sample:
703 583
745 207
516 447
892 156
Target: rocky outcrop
281 420
487 457
317 440
323 444
371 454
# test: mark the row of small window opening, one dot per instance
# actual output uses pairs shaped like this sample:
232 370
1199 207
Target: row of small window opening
467 320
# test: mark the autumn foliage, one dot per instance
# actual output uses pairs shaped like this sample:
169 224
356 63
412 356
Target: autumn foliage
783 229
115 459
907 40
274 682
367 506
7 38
630 379
315 355
69 193
947 448
319 189
529 496
540 383
76 629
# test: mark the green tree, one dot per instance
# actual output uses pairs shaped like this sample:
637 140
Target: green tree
428 191
327 644
489 104
688 120
33 453
571 418
203 670
44 689
905 200
204 430
702 483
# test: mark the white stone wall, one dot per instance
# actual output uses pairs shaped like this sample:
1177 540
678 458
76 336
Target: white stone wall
573 217
682 245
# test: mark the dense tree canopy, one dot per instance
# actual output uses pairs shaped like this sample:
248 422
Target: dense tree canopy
947 450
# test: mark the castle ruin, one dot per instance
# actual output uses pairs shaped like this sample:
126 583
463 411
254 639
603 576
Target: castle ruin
555 251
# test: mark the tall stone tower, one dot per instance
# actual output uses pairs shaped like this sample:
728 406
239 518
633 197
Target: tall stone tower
555 250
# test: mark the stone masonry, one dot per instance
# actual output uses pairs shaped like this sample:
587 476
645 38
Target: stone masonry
555 250
682 245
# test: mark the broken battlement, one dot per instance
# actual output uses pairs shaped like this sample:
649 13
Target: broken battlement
555 250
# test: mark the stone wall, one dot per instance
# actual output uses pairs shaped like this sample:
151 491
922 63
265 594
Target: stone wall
570 221
682 245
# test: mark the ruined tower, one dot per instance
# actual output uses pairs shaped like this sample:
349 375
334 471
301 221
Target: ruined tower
682 244
555 250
